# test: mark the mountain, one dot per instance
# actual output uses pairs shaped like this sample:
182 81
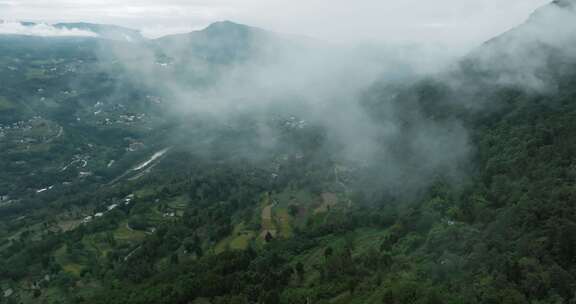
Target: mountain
551 24
221 42
565 3
535 53
226 42
114 188
53 63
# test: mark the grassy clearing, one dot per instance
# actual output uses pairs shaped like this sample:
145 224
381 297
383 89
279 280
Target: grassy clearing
123 233
268 218
154 216
242 241
284 222
179 203
73 269
60 254
69 225
50 293
239 240
304 201
329 200
97 244
299 197
61 258
145 192
363 240
33 73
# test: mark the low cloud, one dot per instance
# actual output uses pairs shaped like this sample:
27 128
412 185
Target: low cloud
41 29
349 92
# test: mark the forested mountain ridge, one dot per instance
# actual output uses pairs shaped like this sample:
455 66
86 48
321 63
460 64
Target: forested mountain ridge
111 194
531 56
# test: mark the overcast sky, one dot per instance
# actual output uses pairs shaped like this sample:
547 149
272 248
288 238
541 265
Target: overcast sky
458 22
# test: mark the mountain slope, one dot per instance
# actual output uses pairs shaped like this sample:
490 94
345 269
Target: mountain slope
140 207
223 43
534 54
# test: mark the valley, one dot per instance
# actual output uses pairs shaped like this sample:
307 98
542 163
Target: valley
236 165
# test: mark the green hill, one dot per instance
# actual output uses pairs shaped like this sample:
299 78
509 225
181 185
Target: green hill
453 188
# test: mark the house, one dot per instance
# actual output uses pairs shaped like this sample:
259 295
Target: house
8 292
85 174
128 199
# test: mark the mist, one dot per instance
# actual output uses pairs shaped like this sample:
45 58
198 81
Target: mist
370 100
387 112
306 85
41 29
532 56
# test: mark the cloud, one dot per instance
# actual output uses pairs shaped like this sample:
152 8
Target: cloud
465 21
8 3
324 85
327 85
41 29
370 100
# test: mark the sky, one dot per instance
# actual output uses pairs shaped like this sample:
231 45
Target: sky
446 22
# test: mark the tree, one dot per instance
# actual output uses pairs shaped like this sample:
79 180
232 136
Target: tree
328 252
567 243
271 297
352 284
293 210
174 260
350 239
300 271
388 297
268 237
